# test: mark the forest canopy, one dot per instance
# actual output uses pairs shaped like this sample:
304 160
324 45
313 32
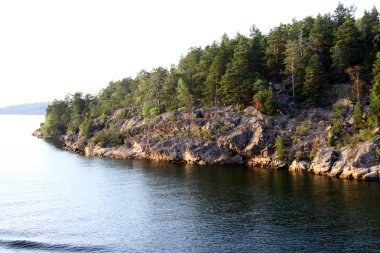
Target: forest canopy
309 54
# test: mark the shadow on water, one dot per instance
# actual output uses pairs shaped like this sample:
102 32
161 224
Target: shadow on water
258 205
58 144
32 245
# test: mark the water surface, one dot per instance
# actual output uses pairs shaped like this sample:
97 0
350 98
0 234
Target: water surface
55 201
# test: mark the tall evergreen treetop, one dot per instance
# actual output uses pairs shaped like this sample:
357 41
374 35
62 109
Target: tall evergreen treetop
346 50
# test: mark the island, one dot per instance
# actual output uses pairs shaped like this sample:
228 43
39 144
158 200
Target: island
305 97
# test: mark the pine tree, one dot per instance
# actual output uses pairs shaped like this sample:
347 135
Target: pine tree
321 39
293 64
184 96
275 51
314 79
256 52
237 82
369 26
189 69
213 89
208 88
170 90
341 12
374 106
346 48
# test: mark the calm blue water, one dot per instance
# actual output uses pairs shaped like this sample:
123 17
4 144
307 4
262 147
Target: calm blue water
55 201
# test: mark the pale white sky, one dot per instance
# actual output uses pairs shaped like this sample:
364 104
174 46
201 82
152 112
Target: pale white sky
49 48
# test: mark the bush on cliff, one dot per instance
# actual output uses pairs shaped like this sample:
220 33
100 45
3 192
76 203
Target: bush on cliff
109 136
280 148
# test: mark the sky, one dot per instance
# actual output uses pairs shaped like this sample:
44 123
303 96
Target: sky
50 48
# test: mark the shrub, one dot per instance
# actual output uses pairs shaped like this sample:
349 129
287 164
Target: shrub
378 154
86 128
201 134
337 126
338 109
280 148
367 134
154 111
300 156
358 116
145 110
331 140
264 101
182 109
302 128
220 128
109 136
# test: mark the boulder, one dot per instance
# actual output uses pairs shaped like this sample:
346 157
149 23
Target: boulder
323 160
365 155
299 166
371 176
338 168
266 162
353 173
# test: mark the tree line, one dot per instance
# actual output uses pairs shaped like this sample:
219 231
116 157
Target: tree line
310 54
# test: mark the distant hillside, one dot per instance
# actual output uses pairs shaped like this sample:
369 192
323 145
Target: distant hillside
26 109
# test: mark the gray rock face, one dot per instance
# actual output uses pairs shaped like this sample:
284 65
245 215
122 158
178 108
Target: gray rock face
323 161
223 135
365 155
301 166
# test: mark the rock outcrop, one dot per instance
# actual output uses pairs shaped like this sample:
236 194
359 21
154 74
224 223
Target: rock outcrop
224 135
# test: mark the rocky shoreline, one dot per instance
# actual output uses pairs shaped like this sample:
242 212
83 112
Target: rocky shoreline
226 136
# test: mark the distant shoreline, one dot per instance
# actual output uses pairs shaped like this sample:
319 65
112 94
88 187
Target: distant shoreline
25 109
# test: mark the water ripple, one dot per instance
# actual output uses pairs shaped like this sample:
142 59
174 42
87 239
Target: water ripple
32 245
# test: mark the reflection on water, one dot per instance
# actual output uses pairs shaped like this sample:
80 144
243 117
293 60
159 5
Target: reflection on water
52 200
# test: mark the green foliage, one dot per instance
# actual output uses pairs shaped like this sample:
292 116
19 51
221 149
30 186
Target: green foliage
322 38
150 111
302 128
154 111
300 131
280 148
337 127
57 118
109 136
314 79
367 134
369 27
145 110
220 128
331 140
300 156
202 134
294 64
345 51
184 96
338 109
378 154
236 83
358 116
264 101
231 71
374 106
275 51
86 128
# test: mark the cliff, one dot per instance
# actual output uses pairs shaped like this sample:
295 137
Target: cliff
224 135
